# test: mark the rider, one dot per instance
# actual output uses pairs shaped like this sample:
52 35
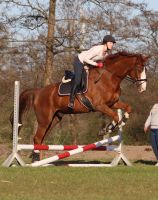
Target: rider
91 56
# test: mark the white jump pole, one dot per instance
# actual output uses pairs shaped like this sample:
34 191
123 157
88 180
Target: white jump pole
14 154
120 156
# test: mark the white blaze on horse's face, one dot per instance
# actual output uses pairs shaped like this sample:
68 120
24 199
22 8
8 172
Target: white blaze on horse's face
142 86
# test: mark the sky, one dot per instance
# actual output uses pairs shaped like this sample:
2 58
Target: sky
152 4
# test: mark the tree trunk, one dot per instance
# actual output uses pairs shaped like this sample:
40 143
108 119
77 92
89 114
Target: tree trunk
49 45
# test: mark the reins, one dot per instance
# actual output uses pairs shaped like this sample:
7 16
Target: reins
102 72
100 75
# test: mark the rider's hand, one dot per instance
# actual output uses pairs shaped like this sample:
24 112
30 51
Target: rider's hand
100 65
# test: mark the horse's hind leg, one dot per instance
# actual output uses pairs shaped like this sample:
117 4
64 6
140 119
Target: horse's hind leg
42 131
38 138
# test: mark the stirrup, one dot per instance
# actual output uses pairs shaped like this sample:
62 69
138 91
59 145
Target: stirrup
71 105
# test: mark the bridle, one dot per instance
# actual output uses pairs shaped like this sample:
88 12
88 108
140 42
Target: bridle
136 81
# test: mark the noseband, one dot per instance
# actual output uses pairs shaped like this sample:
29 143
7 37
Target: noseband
136 80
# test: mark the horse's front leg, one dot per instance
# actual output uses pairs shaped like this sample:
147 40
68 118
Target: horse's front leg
109 112
123 106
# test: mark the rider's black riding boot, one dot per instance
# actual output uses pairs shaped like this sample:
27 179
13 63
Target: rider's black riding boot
72 97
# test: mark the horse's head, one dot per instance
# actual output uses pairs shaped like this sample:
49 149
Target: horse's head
130 66
138 72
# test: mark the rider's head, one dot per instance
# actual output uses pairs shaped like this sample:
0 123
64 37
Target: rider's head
109 41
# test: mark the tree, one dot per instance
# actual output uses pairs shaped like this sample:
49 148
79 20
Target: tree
50 43
4 35
53 32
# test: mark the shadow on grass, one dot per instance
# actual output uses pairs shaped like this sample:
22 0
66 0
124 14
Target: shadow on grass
62 163
145 162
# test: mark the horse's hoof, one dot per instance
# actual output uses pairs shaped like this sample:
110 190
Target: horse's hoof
110 128
110 131
101 133
35 157
122 124
124 119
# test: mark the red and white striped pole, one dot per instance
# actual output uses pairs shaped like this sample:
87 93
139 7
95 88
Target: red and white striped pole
43 147
75 151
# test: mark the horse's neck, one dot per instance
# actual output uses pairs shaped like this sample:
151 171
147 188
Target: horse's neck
119 70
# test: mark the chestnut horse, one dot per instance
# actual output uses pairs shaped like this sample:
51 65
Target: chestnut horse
103 92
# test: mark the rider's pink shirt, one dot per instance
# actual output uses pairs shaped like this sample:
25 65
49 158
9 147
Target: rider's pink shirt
92 55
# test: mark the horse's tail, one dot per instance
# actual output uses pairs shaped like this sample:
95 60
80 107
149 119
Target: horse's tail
26 100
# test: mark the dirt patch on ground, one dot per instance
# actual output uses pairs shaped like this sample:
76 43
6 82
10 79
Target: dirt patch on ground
133 153
4 150
139 152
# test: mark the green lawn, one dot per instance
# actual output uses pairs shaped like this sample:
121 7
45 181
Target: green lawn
57 183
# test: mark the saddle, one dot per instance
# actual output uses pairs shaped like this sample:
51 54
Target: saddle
67 81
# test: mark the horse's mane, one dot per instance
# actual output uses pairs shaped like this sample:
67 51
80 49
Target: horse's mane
116 56
121 53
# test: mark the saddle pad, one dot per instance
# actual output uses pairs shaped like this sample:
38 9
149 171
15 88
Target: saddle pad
65 88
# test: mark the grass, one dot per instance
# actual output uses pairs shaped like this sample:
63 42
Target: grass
57 183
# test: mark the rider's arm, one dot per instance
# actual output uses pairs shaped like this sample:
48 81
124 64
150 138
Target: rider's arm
90 54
